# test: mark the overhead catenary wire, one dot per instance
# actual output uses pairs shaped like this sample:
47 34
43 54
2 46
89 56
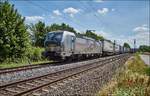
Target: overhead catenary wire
71 20
90 7
93 8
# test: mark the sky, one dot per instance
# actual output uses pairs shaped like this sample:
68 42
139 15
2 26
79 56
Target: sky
120 20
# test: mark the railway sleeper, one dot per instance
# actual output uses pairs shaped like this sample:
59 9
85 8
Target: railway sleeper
39 92
27 85
11 90
45 80
50 78
39 82
5 93
31 84
36 83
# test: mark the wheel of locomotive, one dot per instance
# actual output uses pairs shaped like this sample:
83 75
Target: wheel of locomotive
68 59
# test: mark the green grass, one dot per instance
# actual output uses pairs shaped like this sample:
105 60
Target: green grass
12 64
131 80
35 57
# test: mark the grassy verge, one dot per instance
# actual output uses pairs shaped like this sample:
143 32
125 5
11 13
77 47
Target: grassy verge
13 64
34 58
131 80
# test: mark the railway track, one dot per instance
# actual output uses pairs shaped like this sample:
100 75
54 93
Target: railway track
29 67
26 67
32 86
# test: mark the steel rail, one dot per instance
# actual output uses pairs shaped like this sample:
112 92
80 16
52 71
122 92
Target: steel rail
29 67
26 67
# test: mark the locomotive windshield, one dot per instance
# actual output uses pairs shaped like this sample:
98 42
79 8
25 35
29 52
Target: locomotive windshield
55 36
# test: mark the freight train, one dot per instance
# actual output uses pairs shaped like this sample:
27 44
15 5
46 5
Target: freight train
64 45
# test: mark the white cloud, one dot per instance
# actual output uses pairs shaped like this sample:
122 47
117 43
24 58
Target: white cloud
103 11
104 34
57 12
33 18
71 11
112 9
142 34
143 28
145 25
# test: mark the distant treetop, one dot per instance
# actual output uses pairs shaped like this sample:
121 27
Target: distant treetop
126 45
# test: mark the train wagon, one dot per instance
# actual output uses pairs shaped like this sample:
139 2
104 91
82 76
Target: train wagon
107 47
126 50
85 46
117 49
121 49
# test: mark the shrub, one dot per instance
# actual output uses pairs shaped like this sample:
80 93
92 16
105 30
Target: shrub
36 54
148 71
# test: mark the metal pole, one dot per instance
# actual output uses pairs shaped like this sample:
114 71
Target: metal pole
134 45
114 45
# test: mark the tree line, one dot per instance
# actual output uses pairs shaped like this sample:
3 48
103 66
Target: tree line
144 48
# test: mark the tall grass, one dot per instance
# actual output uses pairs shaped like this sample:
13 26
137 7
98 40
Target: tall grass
35 56
132 80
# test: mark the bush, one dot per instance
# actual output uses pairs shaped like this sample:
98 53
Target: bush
36 54
148 71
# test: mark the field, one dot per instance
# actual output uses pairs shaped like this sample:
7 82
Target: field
131 80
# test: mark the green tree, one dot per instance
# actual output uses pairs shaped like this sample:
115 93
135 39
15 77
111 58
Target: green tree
63 26
66 27
14 39
144 48
38 32
126 45
53 27
93 35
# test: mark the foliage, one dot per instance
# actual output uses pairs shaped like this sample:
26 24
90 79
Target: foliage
63 26
126 45
36 54
34 57
38 33
93 35
148 71
144 48
14 39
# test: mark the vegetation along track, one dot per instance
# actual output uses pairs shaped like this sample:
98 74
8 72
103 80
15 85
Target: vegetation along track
29 67
32 85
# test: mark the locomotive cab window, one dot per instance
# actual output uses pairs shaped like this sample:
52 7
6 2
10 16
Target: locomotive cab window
57 36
